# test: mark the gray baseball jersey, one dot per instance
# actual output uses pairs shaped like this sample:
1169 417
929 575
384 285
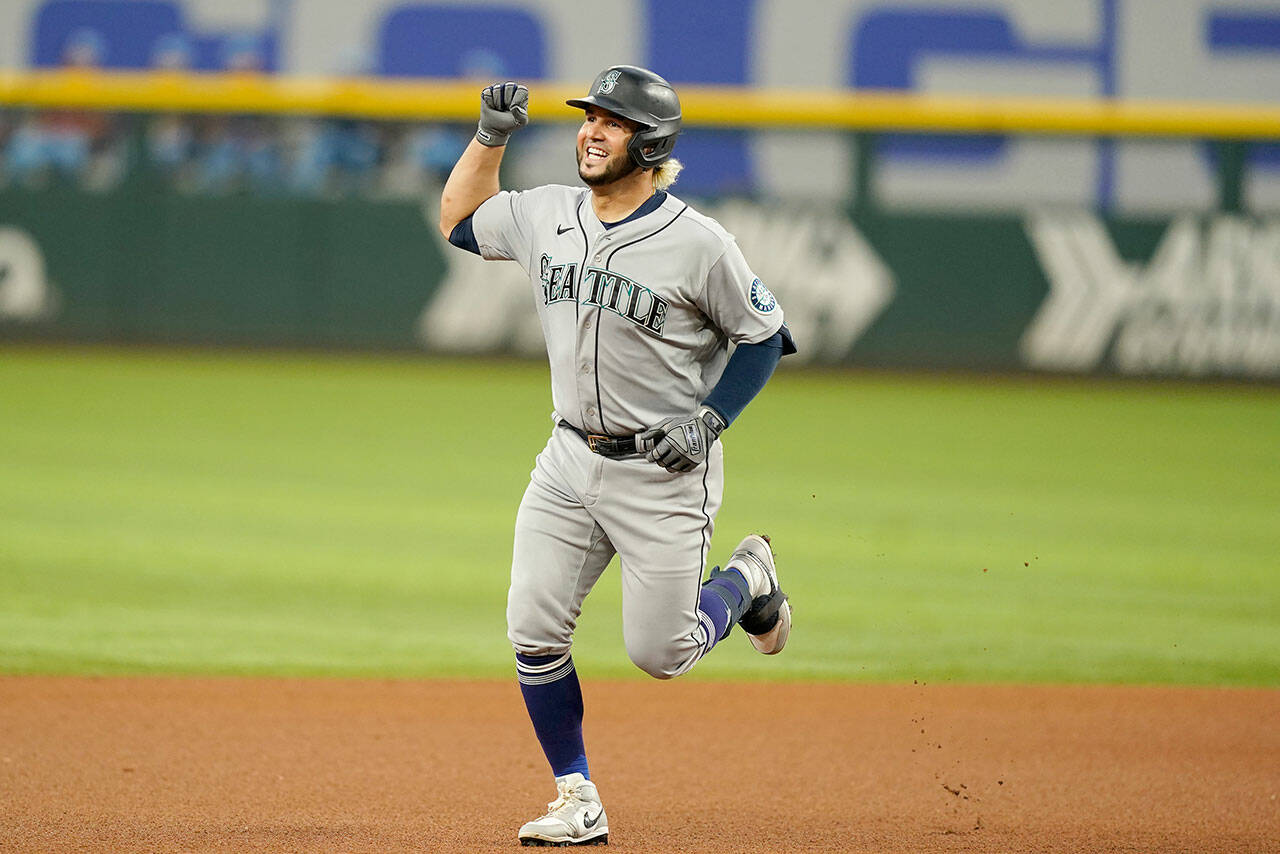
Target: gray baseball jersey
636 317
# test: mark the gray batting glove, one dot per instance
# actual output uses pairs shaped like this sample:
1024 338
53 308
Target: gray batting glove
504 107
682 444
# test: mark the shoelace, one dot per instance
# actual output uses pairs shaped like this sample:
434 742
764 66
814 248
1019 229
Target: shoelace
566 799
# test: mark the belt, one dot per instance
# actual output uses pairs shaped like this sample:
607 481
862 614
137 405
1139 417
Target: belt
606 446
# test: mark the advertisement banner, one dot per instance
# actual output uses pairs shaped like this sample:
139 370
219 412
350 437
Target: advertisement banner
1058 290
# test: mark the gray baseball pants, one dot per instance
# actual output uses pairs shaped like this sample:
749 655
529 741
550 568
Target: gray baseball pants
578 511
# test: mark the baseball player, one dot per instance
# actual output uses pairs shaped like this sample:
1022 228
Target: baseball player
639 297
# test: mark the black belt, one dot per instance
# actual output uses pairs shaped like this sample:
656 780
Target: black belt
606 446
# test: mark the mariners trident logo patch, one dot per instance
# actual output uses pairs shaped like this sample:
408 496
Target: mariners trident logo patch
762 298
610 80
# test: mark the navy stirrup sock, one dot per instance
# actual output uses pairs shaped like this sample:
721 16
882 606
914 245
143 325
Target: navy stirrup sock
729 587
553 698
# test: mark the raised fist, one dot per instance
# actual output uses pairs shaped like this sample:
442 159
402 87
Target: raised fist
504 107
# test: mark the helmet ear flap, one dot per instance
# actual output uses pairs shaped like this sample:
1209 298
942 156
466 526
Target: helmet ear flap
649 149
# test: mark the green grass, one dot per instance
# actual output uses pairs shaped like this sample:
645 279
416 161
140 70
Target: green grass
186 512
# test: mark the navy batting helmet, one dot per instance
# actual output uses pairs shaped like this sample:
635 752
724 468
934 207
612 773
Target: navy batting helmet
646 99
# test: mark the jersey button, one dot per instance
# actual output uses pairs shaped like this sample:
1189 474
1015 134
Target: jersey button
586 369
591 411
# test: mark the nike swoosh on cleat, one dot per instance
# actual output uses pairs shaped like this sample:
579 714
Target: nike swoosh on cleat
561 229
590 823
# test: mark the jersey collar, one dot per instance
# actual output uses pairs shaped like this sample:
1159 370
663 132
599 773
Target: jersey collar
650 205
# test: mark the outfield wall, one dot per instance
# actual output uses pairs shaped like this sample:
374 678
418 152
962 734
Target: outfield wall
1054 289
1113 231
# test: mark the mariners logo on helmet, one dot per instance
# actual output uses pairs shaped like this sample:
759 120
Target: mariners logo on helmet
610 80
761 297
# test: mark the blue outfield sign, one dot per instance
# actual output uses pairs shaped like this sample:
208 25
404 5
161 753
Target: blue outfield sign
1200 49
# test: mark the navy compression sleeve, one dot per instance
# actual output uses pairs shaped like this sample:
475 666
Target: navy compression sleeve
748 370
463 236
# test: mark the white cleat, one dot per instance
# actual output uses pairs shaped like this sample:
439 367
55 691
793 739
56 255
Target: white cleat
767 621
575 817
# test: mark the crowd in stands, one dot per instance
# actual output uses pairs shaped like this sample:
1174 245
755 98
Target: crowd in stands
216 153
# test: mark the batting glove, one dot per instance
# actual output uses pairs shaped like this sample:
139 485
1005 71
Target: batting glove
682 444
504 107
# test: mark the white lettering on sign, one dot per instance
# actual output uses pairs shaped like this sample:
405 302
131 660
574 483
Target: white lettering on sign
1207 303
25 293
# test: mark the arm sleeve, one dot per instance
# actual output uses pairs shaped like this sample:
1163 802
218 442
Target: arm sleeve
463 236
748 370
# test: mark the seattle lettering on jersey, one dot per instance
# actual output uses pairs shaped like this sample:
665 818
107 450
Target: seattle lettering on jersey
558 281
608 290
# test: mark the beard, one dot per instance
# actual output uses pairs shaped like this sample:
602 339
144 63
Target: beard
615 168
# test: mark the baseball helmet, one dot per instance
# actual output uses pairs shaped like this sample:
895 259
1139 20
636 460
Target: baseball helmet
646 99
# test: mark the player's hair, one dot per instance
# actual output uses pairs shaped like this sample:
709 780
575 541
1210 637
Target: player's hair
666 173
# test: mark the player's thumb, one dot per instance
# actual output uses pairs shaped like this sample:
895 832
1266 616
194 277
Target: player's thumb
520 105
646 440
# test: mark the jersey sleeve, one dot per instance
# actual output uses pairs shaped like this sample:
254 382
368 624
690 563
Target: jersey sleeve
737 301
502 226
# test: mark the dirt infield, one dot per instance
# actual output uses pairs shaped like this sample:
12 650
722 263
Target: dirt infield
298 765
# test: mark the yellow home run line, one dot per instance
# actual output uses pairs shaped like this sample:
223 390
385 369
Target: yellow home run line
708 106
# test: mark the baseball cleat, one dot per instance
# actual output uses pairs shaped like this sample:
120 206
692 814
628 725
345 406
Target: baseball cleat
575 817
767 621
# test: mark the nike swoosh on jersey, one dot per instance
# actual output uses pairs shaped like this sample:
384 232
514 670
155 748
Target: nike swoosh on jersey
561 229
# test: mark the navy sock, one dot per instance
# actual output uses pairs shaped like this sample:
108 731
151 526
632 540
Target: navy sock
712 606
553 698
729 589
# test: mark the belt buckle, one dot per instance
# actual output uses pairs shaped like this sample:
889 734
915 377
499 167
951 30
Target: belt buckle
593 440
